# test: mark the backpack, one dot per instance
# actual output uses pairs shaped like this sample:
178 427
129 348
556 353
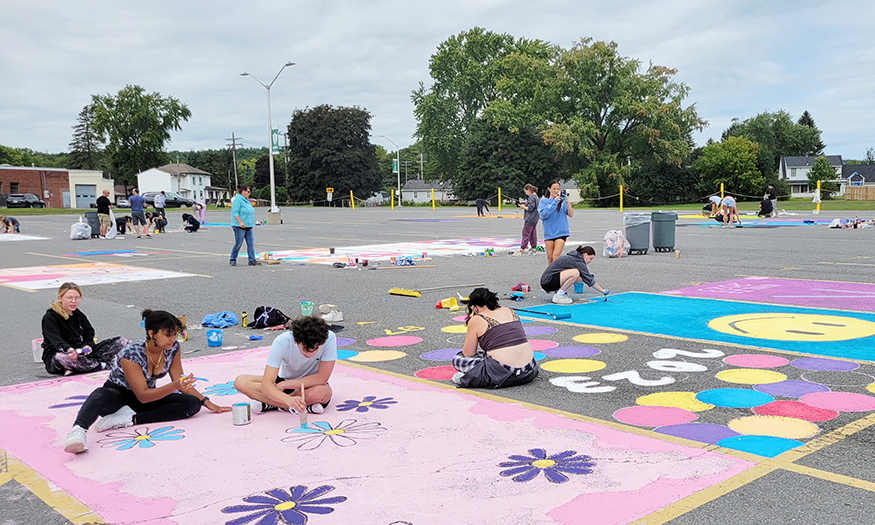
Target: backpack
265 317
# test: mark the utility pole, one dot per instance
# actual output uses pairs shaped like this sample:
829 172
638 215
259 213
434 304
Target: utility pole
233 146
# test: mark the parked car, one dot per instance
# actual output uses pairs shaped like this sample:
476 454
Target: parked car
172 199
24 200
123 203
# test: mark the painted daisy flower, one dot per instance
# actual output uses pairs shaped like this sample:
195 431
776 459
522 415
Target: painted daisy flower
526 468
221 389
140 436
345 434
280 506
365 404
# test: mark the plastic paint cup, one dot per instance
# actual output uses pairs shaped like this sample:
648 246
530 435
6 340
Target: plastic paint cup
306 308
241 414
578 287
214 337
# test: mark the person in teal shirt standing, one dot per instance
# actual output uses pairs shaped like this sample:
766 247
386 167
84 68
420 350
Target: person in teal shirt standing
242 222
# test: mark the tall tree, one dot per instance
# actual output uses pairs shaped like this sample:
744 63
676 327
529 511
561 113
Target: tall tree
805 119
262 173
330 148
777 136
464 70
824 172
86 148
733 163
136 127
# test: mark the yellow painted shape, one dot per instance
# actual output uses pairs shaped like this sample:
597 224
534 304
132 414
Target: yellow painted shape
793 327
871 387
777 426
684 400
455 329
600 338
750 377
573 366
374 356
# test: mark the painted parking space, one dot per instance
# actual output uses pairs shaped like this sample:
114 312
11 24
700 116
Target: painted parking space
84 274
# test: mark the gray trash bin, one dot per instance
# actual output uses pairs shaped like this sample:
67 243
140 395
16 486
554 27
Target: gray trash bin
637 227
93 221
663 230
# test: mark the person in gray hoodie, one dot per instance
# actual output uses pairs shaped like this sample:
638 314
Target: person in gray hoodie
568 269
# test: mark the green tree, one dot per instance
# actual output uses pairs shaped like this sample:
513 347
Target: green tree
464 69
732 162
660 183
870 155
262 173
805 119
598 110
86 148
330 147
494 157
136 126
778 136
824 172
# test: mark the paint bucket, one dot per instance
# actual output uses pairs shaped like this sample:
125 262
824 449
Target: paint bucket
578 287
214 337
306 308
331 251
447 303
37 347
241 414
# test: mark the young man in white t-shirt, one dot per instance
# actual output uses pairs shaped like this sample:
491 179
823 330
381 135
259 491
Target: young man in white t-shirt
303 357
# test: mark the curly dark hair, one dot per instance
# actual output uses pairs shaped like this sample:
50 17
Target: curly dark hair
481 297
162 321
311 332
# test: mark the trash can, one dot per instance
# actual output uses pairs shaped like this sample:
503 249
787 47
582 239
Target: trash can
94 222
663 230
637 226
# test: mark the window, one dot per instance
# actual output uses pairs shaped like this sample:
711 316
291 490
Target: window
793 173
414 195
13 187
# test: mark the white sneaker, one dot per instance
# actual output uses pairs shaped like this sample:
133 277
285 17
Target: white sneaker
333 316
517 254
121 418
457 377
316 408
259 408
327 308
76 443
562 299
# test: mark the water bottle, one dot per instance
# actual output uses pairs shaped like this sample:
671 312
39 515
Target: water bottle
244 320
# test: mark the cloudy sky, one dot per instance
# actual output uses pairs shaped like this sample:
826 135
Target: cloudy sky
739 58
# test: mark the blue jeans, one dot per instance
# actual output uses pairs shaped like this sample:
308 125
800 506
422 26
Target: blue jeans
239 235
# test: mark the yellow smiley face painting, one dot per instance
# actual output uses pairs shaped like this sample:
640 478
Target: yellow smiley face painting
793 327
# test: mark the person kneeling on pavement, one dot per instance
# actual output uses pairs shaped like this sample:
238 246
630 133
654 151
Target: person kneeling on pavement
191 224
569 269
302 359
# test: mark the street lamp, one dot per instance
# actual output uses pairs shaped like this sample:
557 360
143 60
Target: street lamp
398 160
273 207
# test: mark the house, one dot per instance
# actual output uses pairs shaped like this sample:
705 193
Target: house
571 190
180 178
58 187
379 198
418 191
858 182
795 171
215 194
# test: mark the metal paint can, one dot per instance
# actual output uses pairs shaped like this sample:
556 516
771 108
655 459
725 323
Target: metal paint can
241 414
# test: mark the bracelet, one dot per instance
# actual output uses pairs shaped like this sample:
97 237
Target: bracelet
204 400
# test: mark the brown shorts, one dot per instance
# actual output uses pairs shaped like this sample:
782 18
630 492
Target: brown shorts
104 220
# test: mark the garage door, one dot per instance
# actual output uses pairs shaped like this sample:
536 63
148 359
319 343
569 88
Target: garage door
86 195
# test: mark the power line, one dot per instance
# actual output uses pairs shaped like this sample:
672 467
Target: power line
233 146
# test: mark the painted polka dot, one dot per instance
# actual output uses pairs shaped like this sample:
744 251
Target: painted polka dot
455 329
744 376
790 388
841 401
460 318
540 344
345 341
766 446
445 354
573 366
701 432
838 378
795 409
395 340
539 330
756 361
871 388
684 400
572 351
437 373
600 338
346 354
538 356
650 416
734 397
374 356
819 363
775 426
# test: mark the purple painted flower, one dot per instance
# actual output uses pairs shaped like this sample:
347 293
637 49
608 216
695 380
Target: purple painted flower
526 468
280 506
365 404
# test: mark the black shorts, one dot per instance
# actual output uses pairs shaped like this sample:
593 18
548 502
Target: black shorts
290 390
564 238
552 285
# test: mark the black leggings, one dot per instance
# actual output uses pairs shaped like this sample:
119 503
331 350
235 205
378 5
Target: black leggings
111 397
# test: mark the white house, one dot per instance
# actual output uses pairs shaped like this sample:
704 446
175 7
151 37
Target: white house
418 190
86 186
795 171
180 178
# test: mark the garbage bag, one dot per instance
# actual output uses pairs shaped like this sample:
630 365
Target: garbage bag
616 244
80 230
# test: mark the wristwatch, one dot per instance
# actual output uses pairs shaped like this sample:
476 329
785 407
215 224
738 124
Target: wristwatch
204 400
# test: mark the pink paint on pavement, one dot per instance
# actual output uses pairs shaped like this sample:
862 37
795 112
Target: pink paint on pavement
654 416
841 401
756 361
394 340
438 373
542 344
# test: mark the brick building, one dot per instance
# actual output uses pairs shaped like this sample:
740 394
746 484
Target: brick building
49 184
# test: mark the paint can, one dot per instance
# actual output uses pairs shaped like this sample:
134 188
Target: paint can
241 414
331 251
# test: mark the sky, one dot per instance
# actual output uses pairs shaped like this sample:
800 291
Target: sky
739 58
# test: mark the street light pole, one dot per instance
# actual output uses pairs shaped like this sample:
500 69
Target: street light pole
398 160
273 207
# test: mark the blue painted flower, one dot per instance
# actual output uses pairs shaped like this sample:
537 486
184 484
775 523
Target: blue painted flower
344 434
81 400
365 404
221 389
290 507
526 468
140 436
